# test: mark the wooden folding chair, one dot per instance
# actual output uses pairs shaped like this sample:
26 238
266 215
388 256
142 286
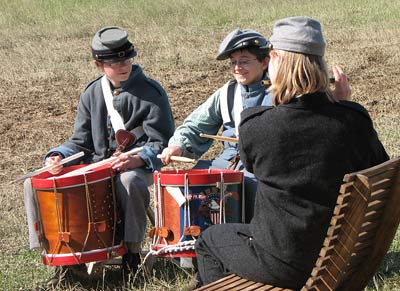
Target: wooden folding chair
362 228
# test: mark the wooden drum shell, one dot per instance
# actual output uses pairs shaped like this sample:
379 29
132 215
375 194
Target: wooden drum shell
77 217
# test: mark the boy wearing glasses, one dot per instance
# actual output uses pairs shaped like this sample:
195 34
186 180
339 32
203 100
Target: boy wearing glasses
119 111
247 51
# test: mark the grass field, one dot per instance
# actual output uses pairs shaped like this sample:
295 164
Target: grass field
46 63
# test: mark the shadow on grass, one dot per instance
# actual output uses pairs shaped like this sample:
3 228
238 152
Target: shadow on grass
389 269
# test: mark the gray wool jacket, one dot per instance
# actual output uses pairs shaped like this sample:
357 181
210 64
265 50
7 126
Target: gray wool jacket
141 102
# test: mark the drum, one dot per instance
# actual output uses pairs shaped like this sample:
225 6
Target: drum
77 216
187 202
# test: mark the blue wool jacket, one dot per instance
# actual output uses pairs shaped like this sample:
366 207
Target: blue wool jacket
208 119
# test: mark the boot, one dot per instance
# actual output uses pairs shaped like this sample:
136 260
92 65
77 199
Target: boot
130 265
67 274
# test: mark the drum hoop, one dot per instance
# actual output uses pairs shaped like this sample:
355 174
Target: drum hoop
199 185
76 185
45 180
198 177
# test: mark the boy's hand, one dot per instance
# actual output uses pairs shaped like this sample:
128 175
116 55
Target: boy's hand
127 162
170 151
54 160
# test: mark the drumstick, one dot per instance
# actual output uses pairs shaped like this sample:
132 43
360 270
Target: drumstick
180 159
49 167
220 137
98 164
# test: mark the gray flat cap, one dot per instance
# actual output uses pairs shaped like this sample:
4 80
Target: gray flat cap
298 34
111 44
240 39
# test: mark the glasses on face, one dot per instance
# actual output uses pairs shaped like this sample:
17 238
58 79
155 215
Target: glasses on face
242 64
118 63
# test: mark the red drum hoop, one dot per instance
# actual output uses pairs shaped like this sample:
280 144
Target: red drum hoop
187 202
77 216
198 176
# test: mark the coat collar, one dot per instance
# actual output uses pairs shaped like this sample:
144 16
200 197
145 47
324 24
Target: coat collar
316 99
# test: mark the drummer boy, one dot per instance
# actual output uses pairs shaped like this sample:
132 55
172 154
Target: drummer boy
126 101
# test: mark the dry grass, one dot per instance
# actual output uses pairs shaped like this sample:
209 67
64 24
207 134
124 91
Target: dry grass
44 49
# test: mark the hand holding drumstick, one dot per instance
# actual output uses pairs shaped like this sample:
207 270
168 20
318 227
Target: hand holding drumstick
173 153
178 159
53 165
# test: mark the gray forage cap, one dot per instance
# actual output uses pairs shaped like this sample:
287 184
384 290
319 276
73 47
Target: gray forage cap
298 34
111 44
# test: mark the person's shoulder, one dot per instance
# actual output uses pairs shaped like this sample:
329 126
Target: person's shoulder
252 112
354 106
155 85
92 83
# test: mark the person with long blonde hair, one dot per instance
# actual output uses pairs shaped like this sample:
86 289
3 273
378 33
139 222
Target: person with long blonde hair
299 150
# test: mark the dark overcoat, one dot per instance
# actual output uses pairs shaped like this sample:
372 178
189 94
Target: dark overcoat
299 152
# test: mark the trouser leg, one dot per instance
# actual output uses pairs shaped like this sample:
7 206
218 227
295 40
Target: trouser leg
134 198
223 249
31 214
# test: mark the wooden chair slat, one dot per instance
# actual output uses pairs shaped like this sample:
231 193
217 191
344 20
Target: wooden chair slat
387 175
340 209
328 266
316 284
270 288
388 165
334 229
383 186
363 224
326 251
369 226
336 260
238 283
244 285
211 286
328 277
376 205
254 287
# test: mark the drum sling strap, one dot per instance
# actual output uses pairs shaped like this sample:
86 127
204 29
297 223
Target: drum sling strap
115 118
231 96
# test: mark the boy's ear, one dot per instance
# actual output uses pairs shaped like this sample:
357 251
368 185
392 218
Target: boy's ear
98 65
266 62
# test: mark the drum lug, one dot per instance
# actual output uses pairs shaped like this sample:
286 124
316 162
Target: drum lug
64 236
193 230
152 232
163 232
99 226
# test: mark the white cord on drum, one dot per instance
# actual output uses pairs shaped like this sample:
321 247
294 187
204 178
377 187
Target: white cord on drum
181 246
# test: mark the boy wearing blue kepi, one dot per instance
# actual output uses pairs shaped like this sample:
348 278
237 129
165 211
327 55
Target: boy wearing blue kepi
247 51
119 111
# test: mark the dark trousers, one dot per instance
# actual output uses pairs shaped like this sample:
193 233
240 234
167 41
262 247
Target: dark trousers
223 249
